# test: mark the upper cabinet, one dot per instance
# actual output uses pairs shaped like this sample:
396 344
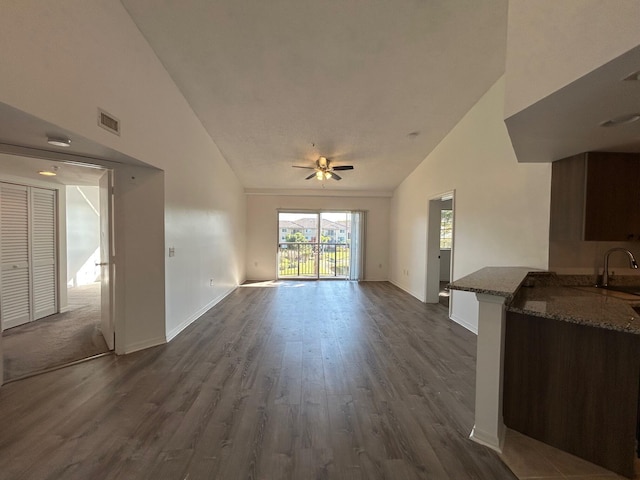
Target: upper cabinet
596 196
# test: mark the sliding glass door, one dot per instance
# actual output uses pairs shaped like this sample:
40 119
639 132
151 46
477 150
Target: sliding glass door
297 245
318 245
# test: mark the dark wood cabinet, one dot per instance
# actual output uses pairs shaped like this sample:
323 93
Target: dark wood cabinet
574 387
596 196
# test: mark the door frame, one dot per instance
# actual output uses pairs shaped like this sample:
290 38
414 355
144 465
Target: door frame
432 269
64 158
107 254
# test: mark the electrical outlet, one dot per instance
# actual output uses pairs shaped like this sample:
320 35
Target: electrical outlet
172 251
211 282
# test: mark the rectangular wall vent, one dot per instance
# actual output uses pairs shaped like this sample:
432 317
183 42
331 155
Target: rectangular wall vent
108 122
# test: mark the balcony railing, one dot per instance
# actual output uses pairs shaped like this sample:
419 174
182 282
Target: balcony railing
313 260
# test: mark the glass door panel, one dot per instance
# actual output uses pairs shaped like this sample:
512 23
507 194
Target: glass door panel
298 245
314 244
333 257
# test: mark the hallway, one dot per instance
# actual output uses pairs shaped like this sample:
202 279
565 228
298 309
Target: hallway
295 380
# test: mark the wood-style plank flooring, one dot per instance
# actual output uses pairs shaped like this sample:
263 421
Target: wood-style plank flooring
299 380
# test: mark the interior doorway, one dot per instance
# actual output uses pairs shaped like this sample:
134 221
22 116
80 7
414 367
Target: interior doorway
440 244
320 245
78 327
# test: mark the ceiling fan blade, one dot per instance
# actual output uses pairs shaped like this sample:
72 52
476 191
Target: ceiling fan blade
311 176
335 176
302 166
343 167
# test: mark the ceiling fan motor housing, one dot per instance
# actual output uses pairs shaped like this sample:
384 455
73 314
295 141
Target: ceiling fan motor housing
323 169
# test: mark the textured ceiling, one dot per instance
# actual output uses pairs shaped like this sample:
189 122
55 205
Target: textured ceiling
371 83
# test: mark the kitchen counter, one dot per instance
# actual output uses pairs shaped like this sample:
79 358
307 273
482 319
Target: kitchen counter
571 369
552 352
568 298
580 305
498 281
494 287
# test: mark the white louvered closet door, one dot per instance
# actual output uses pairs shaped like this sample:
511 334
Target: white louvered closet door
43 252
15 304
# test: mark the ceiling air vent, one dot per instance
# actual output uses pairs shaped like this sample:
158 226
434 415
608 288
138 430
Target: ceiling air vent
108 122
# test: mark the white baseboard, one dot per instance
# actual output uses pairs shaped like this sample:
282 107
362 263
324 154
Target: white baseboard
171 334
15 323
493 441
148 343
405 289
465 324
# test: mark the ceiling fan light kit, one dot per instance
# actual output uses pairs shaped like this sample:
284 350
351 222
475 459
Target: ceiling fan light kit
323 170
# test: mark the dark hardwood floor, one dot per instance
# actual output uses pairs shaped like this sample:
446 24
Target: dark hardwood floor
303 380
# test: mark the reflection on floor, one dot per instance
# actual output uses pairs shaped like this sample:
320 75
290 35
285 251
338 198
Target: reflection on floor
530 459
443 295
57 339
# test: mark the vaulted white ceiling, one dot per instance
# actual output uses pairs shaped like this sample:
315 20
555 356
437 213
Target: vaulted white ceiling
371 83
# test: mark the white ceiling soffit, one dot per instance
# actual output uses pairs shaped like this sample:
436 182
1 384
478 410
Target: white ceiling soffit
370 83
569 121
20 131
25 170
24 151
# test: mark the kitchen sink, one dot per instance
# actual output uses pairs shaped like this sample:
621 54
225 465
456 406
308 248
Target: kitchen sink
627 293
629 290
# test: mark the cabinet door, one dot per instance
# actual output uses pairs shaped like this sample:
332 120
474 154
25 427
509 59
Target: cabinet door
612 197
15 305
568 184
43 248
574 387
28 254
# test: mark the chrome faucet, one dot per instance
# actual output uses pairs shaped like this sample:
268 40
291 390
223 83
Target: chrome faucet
605 273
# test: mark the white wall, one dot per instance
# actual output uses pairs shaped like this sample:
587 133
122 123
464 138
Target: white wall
551 43
83 234
262 230
501 207
60 62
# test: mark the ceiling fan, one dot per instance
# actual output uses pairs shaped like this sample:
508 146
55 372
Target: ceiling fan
324 170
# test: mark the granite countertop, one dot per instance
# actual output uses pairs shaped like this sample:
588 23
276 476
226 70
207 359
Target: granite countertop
499 281
567 298
580 305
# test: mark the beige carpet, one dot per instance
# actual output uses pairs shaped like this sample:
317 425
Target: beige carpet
57 339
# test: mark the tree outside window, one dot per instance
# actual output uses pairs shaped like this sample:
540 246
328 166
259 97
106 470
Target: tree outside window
446 229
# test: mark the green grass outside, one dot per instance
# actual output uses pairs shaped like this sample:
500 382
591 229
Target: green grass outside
308 268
